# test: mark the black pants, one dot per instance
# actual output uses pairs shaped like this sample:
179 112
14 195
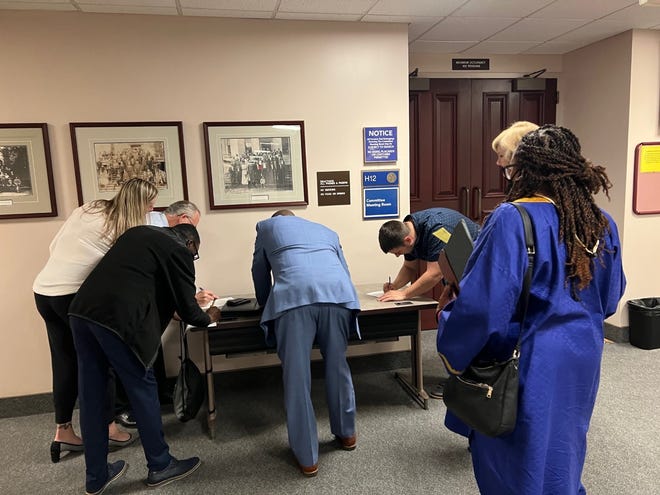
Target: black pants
63 357
99 349
164 390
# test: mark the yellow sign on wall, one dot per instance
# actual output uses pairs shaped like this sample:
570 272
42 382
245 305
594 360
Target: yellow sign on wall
649 159
646 184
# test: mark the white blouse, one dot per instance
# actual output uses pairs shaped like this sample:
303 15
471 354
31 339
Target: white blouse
74 252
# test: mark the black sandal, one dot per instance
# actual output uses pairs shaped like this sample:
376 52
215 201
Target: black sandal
56 448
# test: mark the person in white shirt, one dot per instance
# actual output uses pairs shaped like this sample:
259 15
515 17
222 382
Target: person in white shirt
79 245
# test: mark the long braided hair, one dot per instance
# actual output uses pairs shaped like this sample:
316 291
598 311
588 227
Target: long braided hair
549 162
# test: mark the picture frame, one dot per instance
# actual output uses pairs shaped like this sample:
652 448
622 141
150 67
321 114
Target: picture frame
256 164
107 154
26 172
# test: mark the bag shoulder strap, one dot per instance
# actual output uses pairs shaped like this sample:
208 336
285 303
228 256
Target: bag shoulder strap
527 281
183 341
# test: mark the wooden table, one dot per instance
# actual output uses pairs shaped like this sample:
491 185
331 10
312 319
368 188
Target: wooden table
378 321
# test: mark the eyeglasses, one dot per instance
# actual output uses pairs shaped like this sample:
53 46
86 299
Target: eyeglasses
507 171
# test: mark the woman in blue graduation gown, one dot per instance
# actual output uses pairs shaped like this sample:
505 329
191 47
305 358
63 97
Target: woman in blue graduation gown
577 282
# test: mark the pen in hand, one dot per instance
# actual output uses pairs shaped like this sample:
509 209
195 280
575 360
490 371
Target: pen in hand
204 300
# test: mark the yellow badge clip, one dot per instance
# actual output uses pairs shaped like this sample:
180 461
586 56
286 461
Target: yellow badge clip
442 234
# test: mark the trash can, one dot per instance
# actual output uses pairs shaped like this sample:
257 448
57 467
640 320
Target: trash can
644 322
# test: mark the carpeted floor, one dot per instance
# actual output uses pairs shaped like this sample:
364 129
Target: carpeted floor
402 449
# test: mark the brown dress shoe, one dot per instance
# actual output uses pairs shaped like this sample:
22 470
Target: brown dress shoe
348 443
309 471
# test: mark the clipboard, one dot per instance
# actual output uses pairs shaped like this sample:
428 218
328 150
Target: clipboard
455 254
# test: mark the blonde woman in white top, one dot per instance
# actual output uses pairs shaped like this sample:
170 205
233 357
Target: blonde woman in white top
82 241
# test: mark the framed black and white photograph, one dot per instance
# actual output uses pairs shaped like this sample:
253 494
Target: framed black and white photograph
107 154
255 164
26 172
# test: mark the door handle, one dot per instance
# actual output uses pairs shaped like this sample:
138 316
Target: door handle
465 207
476 197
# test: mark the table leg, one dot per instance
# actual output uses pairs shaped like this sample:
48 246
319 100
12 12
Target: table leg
416 389
208 371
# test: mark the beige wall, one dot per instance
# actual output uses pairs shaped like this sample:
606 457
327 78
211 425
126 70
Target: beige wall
642 232
610 98
71 67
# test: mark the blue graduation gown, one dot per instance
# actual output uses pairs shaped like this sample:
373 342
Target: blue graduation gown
561 350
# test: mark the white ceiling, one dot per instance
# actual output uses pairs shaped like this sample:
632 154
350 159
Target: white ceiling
470 27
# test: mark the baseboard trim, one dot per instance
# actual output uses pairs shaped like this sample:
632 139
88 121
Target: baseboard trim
616 334
28 405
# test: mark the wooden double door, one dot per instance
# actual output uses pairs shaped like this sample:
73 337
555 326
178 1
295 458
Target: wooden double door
452 126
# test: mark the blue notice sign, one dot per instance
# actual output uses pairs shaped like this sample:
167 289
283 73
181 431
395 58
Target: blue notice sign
381 202
380 144
378 178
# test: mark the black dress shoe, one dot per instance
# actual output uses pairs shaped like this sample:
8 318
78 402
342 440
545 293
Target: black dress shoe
56 448
115 471
437 391
176 470
126 419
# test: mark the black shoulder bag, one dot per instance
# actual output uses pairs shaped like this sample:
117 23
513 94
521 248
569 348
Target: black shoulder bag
485 397
189 387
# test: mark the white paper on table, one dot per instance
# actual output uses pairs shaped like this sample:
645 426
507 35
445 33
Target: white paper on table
377 293
218 303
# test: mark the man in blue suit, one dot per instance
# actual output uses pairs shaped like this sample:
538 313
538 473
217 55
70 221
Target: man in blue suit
311 299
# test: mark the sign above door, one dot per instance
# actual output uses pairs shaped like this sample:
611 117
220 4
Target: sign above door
470 64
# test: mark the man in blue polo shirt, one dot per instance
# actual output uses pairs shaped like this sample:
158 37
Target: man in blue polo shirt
421 236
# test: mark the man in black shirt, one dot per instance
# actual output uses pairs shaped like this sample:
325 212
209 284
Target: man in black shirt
117 319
